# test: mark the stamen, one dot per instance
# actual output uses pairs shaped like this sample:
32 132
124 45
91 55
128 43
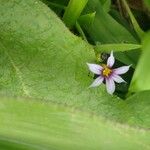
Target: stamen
106 71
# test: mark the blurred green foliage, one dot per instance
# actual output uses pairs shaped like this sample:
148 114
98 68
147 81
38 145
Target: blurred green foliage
41 59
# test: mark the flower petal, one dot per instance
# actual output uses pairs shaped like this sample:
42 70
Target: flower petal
121 70
117 78
97 81
110 85
95 68
111 60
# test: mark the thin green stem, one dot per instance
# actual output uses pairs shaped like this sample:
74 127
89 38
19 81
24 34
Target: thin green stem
78 27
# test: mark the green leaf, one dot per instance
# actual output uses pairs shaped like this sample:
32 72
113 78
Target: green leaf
28 124
39 60
116 47
106 30
138 107
141 78
129 57
118 16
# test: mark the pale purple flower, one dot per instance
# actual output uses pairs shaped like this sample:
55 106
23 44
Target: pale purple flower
105 72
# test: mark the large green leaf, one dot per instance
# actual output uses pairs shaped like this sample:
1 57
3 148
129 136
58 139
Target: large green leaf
33 125
39 55
40 58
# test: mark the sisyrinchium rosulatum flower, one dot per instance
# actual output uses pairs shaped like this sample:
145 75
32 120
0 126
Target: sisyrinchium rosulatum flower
105 72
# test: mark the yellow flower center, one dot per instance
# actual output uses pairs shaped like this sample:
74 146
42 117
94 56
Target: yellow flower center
106 71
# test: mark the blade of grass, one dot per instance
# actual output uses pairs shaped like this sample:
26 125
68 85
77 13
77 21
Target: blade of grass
87 19
116 47
135 24
78 27
73 12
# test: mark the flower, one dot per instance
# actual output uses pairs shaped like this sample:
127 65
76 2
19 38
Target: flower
107 74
